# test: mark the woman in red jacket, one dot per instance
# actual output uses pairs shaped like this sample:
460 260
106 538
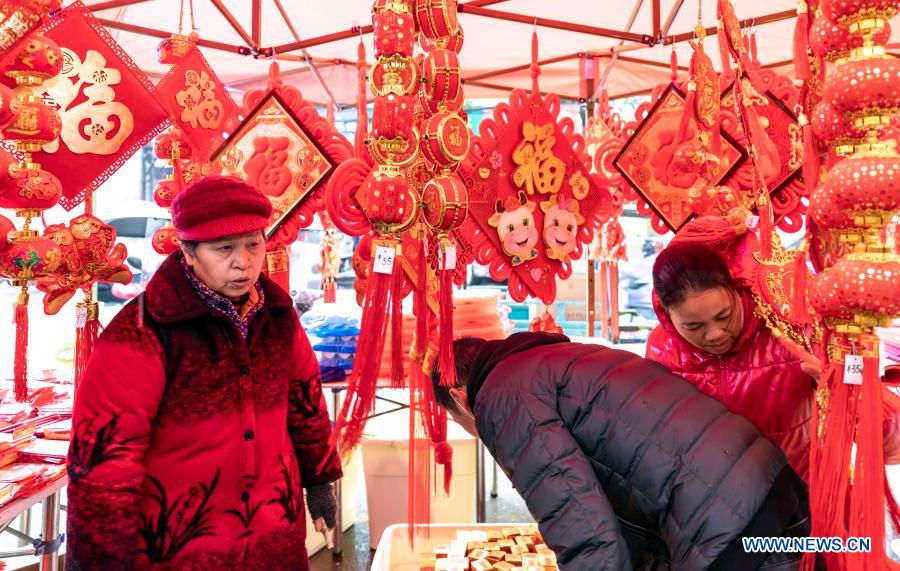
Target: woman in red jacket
710 335
201 418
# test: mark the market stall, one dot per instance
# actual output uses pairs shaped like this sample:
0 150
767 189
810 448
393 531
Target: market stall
775 120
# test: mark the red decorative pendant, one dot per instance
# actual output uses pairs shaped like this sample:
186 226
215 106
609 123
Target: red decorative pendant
445 203
437 18
442 76
446 139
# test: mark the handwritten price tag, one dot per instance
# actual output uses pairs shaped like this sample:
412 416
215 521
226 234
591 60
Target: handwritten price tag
448 259
384 260
751 221
80 317
853 369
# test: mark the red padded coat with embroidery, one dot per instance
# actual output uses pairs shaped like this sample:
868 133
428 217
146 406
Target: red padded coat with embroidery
191 445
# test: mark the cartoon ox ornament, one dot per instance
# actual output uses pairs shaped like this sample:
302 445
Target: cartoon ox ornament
561 222
514 220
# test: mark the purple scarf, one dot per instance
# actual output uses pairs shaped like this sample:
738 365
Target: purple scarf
223 304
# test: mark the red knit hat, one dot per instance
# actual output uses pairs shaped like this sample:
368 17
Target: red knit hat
217 206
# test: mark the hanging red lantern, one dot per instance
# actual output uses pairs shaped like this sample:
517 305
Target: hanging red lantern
437 18
19 17
28 257
861 14
867 91
834 130
446 139
172 145
33 189
37 60
394 74
394 33
855 187
392 117
445 203
834 42
165 192
165 240
442 76
857 286
173 49
33 124
430 106
390 205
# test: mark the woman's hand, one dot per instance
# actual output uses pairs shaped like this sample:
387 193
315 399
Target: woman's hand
814 370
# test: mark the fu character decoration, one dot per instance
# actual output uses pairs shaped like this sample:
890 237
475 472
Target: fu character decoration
534 205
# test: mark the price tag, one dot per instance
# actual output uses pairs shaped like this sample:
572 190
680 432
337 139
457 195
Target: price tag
853 369
448 259
384 260
751 221
81 317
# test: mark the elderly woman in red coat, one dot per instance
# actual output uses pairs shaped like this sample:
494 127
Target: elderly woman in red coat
710 335
201 419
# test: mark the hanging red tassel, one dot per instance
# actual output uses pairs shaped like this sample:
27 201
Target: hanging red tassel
829 492
363 380
801 43
604 299
614 299
724 54
867 499
810 156
673 66
420 302
397 377
445 354
752 42
20 363
86 333
418 489
535 68
362 119
684 127
443 456
436 427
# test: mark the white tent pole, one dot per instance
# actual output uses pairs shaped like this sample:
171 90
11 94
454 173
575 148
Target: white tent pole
303 51
615 56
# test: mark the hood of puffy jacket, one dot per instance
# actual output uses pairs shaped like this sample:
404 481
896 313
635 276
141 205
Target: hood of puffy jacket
493 352
750 326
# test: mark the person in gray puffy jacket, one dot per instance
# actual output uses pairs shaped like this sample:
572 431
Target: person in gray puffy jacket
622 464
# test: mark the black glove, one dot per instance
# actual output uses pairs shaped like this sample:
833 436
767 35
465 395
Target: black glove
321 503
